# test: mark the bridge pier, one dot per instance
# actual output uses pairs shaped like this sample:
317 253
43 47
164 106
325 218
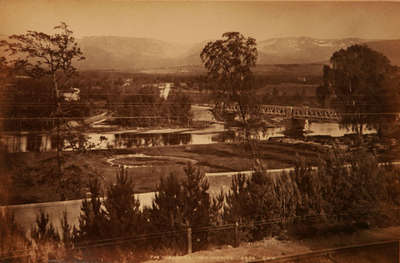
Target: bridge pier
295 128
307 125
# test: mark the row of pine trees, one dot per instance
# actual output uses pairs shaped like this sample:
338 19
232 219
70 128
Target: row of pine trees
344 193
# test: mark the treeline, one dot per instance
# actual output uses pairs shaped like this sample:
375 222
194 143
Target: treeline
148 108
342 195
103 85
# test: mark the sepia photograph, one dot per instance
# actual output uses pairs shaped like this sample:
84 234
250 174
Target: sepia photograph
199 131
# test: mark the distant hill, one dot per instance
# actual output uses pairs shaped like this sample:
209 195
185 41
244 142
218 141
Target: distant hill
151 55
142 54
128 53
300 49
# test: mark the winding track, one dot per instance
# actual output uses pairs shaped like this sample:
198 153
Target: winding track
26 214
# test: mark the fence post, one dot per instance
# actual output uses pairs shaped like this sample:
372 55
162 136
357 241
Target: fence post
189 240
236 235
398 252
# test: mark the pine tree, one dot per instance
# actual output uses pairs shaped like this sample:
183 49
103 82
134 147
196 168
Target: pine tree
122 208
181 204
46 238
92 220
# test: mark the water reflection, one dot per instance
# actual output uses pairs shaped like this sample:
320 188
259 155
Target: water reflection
129 140
330 129
42 142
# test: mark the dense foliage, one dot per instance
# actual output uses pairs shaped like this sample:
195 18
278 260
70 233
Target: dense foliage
365 87
28 105
146 108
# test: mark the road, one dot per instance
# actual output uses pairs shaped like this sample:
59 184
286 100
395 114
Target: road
276 171
26 214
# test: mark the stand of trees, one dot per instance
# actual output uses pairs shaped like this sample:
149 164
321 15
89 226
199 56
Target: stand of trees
364 88
147 108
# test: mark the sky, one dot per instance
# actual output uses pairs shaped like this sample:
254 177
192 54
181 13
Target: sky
195 21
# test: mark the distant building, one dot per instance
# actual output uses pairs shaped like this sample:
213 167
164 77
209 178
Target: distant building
127 82
164 88
72 95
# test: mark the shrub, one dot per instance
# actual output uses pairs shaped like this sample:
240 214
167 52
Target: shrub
46 239
13 241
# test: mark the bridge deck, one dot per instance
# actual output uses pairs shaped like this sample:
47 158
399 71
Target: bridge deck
298 112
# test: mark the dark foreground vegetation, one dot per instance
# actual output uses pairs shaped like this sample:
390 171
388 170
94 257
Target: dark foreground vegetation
345 193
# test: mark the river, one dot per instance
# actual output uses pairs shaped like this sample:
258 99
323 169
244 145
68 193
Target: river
40 142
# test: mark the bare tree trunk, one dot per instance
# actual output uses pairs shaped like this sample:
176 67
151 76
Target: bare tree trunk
58 127
245 125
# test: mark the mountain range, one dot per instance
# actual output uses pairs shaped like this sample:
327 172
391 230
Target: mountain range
141 54
128 53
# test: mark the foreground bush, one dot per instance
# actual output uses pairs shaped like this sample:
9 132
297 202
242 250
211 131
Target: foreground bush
14 245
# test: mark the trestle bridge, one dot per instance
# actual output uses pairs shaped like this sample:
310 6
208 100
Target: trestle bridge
300 112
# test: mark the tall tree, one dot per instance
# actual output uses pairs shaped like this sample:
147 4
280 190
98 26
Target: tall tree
229 62
40 55
363 82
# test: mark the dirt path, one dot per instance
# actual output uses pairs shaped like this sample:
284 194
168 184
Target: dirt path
270 248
